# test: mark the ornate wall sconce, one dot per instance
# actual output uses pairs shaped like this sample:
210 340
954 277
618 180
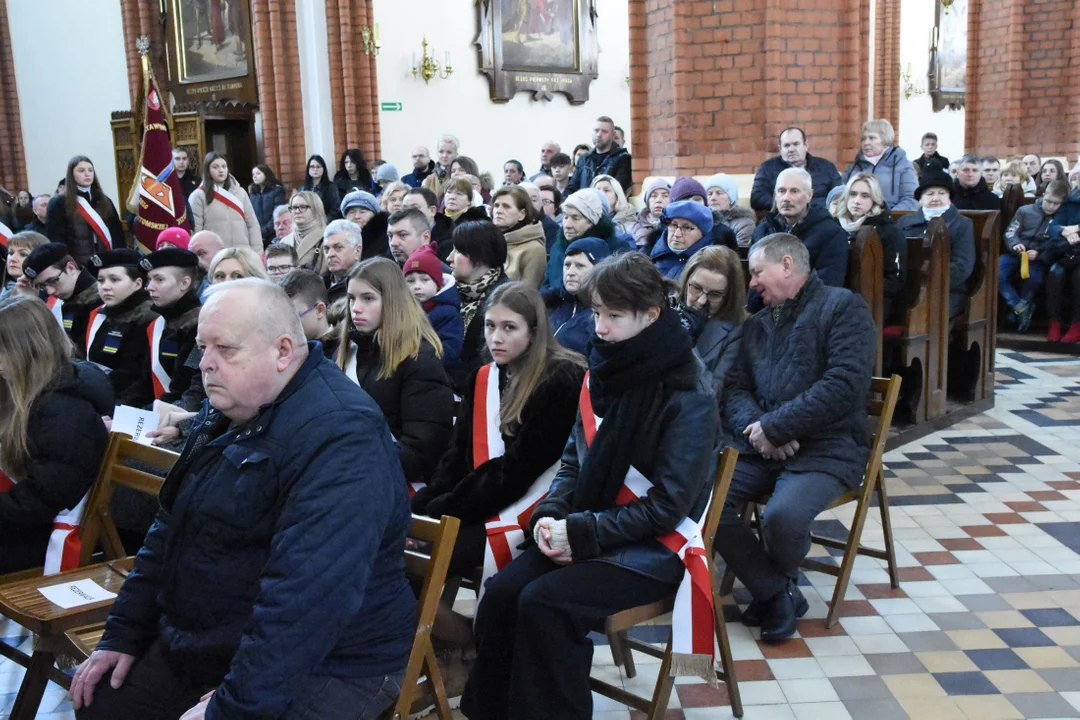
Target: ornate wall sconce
371 40
429 67
946 4
910 89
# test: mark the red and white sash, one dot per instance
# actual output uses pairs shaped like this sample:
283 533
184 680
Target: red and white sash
90 215
506 530
693 638
162 381
94 324
62 552
227 198
56 306
5 234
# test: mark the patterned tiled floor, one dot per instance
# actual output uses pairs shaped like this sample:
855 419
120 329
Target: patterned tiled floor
986 622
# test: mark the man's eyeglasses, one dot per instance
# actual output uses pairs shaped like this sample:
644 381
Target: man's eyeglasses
712 295
299 208
51 282
280 269
307 311
548 202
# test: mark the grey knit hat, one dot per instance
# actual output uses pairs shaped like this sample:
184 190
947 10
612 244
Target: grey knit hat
361 199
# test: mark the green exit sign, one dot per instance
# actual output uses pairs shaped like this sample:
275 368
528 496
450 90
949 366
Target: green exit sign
391 107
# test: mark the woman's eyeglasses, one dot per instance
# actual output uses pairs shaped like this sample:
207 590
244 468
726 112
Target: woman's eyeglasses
711 295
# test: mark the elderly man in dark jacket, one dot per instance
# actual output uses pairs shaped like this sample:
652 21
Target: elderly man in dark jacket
794 152
274 575
796 403
970 191
795 213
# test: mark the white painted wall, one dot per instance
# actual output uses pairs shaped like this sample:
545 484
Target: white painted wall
917 114
72 74
490 133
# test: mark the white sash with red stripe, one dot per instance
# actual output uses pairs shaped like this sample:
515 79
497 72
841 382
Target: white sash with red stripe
5 234
90 215
693 637
92 326
162 381
505 531
56 306
228 199
62 552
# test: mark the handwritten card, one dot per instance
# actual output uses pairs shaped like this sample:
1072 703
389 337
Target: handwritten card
76 593
134 422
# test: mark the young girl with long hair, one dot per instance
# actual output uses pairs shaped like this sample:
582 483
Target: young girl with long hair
221 205
84 218
317 180
353 173
266 193
52 437
389 348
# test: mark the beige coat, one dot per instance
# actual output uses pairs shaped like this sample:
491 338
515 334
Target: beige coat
308 247
235 231
526 255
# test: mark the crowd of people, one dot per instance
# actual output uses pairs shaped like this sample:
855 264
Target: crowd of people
551 364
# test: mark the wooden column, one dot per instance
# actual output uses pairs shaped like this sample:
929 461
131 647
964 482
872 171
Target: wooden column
354 91
12 155
277 69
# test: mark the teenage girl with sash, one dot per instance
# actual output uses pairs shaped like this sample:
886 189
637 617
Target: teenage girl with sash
52 438
389 348
220 204
619 526
84 218
116 337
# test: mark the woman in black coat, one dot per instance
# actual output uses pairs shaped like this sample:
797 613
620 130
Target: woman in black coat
391 350
52 438
66 219
477 261
353 173
317 180
265 192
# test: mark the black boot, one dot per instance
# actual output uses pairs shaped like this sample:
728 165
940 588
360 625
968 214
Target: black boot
780 613
751 616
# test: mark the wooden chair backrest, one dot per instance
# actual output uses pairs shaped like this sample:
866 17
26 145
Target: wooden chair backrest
883 409
866 276
97 526
987 232
897 214
1011 200
725 469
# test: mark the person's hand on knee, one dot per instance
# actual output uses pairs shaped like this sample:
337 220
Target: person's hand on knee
90 673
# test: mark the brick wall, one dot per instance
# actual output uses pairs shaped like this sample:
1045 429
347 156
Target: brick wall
277 67
887 62
715 81
12 155
354 90
1020 84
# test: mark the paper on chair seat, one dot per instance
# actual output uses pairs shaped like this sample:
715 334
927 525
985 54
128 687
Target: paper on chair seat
134 422
76 593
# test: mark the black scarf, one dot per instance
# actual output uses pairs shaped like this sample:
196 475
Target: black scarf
629 382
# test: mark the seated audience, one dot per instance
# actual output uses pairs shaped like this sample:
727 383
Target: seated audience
934 196
562 167
970 191
362 209
175 237
519 221
513 172
1074 177
1032 164
863 205
441 227
283 224
317 180
408 232
266 193
38 222
389 348
385 176
796 401
19 248
116 336
552 202
171 275
622 213
236 264
281 259
307 291
991 170
688 188
583 216
342 247
392 198
687 229
309 222
794 153
72 293
796 215
70 214
457 197
833 200
713 285
1063 258
477 261
1015 173
353 173
723 197
1050 171
437 293
930 154
889 163
261 540
596 532
570 315
605 158
656 197
448 146
52 438
220 205
1027 240
206 245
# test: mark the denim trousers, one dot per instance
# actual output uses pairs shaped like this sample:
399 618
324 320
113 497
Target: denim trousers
1008 266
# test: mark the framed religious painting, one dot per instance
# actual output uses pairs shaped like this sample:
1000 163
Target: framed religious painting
949 55
209 53
538 46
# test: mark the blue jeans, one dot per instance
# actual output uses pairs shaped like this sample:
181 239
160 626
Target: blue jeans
346 698
1008 266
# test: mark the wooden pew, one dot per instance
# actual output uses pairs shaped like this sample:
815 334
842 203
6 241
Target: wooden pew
974 338
922 340
866 276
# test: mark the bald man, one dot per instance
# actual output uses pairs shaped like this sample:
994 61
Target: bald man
423 166
272 583
205 245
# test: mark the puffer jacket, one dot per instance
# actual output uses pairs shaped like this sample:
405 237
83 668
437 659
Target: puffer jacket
895 173
676 457
717 346
122 346
74 232
571 322
66 439
1068 215
474 493
961 251
645 225
616 163
234 231
979 197
264 203
824 239
742 222
526 254
806 377
604 229
823 175
1030 227
416 400
444 313
278 550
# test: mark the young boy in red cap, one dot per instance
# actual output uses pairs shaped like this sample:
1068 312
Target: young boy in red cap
437 293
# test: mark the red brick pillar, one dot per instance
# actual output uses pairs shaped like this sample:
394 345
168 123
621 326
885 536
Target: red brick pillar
277 69
12 155
713 82
887 62
354 90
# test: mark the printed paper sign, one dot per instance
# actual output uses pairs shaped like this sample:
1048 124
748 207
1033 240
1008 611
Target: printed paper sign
76 593
134 422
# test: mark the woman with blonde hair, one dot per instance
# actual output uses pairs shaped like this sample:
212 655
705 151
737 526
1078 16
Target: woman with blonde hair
220 204
52 437
457 197
235 264
623 214
1014 173
309 222
19 248
713 285
392 198
389 348
878 156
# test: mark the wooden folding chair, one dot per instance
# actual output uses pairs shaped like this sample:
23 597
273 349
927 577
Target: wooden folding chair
19 596
873 483
617 625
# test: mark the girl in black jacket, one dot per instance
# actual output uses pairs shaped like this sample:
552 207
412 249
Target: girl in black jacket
52 438
390 349
265 192
353 173
317 180
84 218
